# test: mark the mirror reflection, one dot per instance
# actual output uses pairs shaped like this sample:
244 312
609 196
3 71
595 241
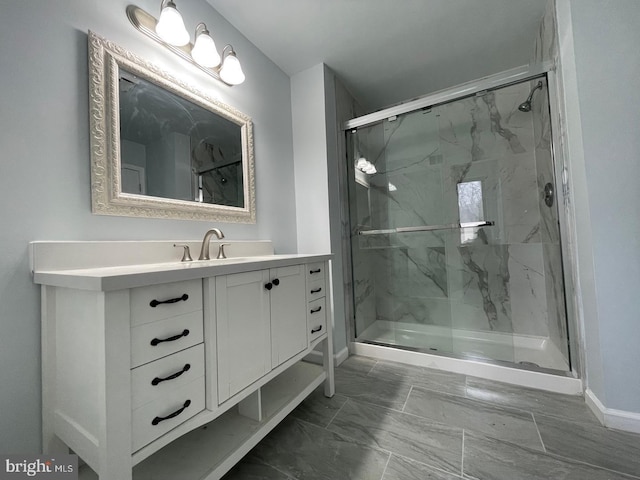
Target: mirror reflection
160 148
173 148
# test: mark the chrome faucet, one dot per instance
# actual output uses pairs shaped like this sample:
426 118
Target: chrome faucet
204 251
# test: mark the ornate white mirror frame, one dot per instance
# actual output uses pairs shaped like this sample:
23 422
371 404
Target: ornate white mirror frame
106 59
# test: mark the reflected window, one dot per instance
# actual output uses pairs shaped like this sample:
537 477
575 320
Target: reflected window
470 208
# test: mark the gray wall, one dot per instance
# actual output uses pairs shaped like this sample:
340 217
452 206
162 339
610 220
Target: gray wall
608 78
600 74
315 149
44 179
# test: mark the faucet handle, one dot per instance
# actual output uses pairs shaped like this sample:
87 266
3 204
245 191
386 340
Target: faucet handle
186 256
221 253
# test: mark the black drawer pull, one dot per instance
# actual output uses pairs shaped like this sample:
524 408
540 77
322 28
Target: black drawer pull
156 341
316 290
318 270
157 420
315 310
275 281
317 329
157 380
268 286
154 303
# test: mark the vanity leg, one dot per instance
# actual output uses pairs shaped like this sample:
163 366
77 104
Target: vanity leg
327 363
51 444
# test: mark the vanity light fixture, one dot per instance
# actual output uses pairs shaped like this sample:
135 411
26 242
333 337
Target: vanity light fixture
202 53
204 49
231 72
170 27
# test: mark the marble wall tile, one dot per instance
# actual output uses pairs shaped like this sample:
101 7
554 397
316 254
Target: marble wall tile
485 127
402 434
509 197
499 288
414 310
554 283
479 286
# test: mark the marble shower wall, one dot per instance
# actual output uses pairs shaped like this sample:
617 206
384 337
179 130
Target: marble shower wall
479 158
545 49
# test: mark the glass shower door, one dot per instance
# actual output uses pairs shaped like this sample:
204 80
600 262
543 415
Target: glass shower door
455 246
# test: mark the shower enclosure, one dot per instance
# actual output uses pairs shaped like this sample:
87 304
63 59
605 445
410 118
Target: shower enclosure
455 240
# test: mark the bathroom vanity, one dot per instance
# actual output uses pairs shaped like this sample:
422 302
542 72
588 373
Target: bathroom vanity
157 368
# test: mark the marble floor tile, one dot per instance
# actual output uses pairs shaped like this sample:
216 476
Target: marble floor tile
318 409
571 407
390 393
251 469
422 377
307 452
490 459
592 444
507 424
416 438
358 364
400 468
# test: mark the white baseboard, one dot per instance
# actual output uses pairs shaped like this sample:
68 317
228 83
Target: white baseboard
610 417
338 358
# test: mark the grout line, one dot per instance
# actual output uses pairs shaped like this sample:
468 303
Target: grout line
544 448
407 399
372 367
462 460
430 466
573 460
384 470
336 414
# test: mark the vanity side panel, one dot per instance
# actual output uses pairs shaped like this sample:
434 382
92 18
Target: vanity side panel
79 341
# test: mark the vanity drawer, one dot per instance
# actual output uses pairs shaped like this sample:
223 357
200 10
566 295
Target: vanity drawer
315 271
155 302
316 319
315 289
156 418
156 379
164 337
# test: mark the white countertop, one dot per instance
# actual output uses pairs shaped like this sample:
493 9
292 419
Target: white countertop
130 276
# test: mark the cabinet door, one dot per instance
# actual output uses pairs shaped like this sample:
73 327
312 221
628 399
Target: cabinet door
243 331
288 313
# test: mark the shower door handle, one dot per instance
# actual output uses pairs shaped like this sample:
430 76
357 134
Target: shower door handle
429 228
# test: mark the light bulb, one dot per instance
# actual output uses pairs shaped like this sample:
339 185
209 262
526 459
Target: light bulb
170 27
231 72
204 50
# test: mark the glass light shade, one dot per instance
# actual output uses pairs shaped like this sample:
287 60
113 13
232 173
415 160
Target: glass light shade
170 27
204 51
231 72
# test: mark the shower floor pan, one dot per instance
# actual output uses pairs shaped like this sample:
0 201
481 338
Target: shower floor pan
523 350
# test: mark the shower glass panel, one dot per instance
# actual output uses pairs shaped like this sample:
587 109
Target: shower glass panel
454 249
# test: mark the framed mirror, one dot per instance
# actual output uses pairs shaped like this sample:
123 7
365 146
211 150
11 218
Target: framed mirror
160 148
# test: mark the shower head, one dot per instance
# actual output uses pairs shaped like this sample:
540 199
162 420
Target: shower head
526 105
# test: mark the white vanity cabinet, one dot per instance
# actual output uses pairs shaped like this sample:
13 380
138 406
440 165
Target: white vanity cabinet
143 365
258 324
